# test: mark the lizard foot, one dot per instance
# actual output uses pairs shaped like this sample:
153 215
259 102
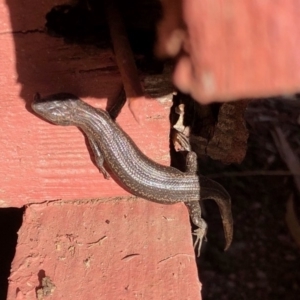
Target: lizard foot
200 234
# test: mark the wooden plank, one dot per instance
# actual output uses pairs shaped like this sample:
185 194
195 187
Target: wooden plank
94 250
40 161
240 49
87 248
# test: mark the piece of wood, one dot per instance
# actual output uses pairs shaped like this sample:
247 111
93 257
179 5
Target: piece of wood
124 57
40 161
82 237
243 48
122 50
104 250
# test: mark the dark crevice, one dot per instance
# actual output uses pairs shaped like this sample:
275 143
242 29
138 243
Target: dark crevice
85 24
23 31
104 69
28 31
10 222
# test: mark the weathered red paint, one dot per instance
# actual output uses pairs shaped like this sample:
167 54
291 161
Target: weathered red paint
246 48
129 249
112 247
240 49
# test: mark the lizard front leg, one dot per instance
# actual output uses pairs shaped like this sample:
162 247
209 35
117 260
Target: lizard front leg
98 157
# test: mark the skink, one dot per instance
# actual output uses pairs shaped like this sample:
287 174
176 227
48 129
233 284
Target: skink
133 170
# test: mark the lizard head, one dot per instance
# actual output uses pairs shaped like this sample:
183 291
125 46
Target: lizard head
59 109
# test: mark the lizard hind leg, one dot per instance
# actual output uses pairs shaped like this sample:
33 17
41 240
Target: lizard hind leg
194 207
200 234
191 163
195 215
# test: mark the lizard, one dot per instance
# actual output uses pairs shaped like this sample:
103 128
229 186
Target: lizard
116 154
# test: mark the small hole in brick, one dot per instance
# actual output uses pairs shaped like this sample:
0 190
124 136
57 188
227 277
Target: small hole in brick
10 222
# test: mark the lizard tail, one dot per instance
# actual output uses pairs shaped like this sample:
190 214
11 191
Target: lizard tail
210 189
